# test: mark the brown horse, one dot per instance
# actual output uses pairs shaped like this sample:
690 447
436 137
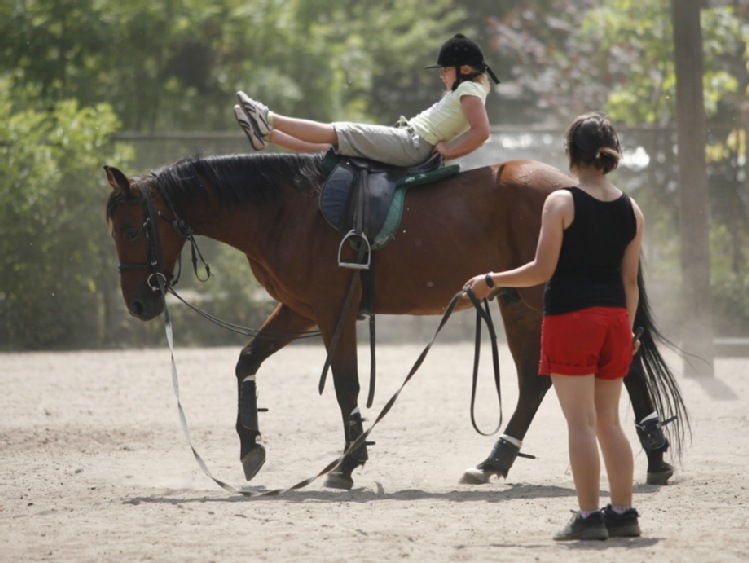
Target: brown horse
266 206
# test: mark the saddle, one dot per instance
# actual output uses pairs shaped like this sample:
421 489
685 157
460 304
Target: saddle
357 199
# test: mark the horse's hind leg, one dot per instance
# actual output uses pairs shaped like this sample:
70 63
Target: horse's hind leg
523 328
282 327
647 424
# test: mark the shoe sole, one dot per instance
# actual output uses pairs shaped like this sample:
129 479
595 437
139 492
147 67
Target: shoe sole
258 119
256 140
628 531
584 536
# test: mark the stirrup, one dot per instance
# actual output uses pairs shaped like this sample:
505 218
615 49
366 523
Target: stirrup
355 265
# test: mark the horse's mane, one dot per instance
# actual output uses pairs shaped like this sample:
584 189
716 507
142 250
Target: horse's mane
236 180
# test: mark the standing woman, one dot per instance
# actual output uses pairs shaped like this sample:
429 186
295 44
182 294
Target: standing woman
588 253
453 127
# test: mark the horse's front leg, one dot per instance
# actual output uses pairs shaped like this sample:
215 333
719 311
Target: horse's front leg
648 425
523 328
280 328
343 364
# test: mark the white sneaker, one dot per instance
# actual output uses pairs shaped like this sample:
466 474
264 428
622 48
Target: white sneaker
256 140
256 111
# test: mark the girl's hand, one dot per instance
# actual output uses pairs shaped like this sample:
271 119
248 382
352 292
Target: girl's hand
442 150
477 285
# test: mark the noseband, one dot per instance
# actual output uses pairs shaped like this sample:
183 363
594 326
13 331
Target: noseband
157 279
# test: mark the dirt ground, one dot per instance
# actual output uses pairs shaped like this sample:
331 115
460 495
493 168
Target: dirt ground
95 466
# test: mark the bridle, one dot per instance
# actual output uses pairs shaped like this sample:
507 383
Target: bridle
157 278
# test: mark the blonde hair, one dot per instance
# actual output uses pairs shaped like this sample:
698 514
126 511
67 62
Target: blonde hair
484 80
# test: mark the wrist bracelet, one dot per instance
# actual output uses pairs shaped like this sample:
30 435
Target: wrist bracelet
489 281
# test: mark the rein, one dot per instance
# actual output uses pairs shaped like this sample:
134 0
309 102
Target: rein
239 329
363 437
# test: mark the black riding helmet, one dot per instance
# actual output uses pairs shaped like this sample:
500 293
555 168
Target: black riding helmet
458 51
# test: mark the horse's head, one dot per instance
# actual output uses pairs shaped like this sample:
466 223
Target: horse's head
148 245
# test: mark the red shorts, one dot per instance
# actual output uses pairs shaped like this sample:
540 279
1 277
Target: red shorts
597 340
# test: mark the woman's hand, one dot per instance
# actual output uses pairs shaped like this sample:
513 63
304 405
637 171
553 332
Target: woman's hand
478 286
636 340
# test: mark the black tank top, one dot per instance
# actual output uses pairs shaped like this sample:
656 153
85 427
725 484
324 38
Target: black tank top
589 270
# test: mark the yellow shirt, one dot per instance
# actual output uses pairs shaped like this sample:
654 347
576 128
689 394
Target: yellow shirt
445 120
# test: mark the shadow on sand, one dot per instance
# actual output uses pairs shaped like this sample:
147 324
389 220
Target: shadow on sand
514 491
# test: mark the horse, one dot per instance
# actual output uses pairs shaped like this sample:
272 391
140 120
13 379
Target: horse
266 206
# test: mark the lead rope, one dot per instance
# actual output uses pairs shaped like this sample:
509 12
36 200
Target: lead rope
356 444
484 315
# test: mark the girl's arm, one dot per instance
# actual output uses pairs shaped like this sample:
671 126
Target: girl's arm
558 214
477 134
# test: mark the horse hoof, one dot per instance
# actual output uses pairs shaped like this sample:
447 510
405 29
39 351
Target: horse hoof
253 461
339 481
475 476
660 477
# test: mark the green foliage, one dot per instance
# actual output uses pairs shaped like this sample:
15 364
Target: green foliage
53 265
617 55
156 62
73 72
637 40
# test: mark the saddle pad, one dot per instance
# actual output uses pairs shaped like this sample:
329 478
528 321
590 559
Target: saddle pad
383 193
395 211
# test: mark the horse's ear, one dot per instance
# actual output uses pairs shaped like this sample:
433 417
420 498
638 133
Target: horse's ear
117 179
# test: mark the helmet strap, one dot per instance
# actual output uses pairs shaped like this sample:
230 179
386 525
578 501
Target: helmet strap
458 78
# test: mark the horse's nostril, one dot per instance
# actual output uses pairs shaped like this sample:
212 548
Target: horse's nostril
137 308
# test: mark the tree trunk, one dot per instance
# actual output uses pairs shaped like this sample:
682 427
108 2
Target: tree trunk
745 113
697 325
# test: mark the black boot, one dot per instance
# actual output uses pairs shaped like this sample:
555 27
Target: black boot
650 433
251 452
356 429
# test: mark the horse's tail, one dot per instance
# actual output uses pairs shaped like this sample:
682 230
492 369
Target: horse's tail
661 382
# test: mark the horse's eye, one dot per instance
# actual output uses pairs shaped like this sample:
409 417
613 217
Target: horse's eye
130 234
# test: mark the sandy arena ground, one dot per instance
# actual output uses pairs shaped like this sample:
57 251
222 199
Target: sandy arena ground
95 466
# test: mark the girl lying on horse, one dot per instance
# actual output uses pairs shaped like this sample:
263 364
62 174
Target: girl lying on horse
453 127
